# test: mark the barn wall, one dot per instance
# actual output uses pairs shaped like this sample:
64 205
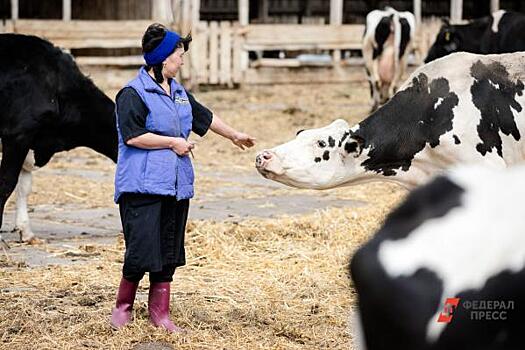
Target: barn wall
80 9
110 10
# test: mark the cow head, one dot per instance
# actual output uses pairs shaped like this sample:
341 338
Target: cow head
316 159
447 41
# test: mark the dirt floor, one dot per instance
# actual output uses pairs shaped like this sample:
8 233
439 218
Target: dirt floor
266 264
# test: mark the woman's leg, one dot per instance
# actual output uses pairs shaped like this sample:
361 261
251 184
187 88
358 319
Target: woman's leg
131 275
159 298
175 214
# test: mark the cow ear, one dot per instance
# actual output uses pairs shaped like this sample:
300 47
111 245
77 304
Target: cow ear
354 145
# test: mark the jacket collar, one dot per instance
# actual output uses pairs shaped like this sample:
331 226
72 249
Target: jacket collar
150 85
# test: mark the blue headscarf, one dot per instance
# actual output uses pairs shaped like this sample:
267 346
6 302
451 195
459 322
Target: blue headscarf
165 48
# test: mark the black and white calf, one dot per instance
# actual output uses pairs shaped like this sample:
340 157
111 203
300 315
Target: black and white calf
501 32
461 238
462 109
48 106
385 47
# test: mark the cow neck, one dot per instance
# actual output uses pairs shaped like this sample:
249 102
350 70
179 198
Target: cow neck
469 36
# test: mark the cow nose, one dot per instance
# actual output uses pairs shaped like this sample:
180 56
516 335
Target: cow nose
263 158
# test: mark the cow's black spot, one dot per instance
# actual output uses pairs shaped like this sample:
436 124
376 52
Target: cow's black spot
381 34
326 155
405 36
321 143
493 93
351 147
317 159
400 129
298 132
433 200
331 141
345 135
456 139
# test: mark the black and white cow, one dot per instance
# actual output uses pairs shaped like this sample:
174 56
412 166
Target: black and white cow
48 106
447 269
462 109
501 32
385 48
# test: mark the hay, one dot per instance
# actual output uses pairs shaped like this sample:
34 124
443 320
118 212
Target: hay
256 284
253 284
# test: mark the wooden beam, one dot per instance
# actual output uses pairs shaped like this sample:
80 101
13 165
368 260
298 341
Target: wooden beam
306 75
110 60
336 18
456 10
14 9
303 37
244 14
417 11
66 10
494 6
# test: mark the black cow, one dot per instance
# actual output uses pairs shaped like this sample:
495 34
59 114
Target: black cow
48 106
447 269
501 32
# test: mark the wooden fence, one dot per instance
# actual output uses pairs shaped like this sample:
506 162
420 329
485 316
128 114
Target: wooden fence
219 51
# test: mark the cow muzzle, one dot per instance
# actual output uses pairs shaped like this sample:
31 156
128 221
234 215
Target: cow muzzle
262 159
263 162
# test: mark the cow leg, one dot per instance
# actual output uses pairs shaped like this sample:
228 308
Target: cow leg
14 153
371 72
398 77
23 189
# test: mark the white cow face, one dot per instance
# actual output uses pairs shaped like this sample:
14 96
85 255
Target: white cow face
315 159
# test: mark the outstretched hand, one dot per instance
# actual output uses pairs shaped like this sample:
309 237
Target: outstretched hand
242 140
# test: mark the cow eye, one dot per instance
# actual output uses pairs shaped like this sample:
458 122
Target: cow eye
321 143
300 131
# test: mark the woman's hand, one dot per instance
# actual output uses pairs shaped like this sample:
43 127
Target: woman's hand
181 146
242 140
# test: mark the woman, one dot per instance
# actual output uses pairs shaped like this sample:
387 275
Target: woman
154 177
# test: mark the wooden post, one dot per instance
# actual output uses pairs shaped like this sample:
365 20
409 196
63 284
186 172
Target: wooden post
214 52
456 10
494 6
14 9
417 11
161 11
66 10
336 18
225 52
244 20
176 10
244 14
194 54
195 12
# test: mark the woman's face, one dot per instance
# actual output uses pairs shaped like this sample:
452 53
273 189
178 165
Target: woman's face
173 63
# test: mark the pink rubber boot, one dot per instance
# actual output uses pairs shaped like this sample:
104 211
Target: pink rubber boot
121 314
159 307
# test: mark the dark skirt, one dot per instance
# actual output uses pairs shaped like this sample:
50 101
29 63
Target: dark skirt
154 228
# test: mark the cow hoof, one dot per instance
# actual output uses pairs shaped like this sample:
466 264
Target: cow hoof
35 241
